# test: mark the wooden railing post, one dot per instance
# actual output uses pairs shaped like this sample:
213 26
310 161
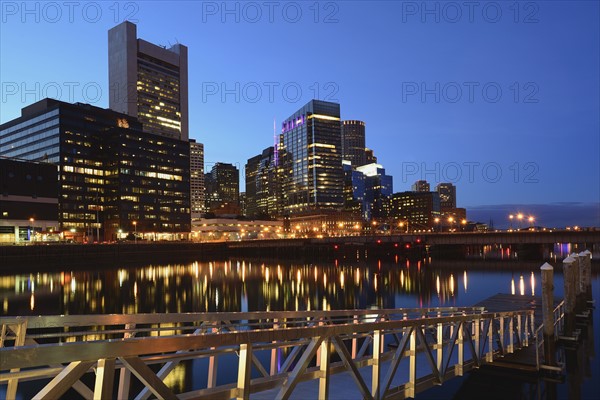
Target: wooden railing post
548 313
570 265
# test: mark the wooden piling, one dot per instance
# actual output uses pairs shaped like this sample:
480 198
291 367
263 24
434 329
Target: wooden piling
570 265
577 279
585 258
548 313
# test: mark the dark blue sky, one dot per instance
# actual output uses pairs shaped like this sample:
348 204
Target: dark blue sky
501 98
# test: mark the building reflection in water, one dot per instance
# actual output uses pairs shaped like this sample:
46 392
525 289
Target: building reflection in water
237 286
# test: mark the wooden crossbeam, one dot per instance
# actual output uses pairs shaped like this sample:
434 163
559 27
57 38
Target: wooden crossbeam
148 377
63 381
346 358
290 383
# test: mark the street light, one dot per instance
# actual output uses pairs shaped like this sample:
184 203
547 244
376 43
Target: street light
520 218
531 221
464 223
510 217
437 223
450 221
135 234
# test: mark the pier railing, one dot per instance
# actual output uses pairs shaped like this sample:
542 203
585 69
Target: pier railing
275 351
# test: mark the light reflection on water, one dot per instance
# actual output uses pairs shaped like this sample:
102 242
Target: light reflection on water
240 285
244 285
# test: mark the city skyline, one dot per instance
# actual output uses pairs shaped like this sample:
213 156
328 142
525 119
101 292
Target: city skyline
513 151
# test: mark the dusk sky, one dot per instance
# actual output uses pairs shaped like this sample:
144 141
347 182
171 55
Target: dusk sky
501 98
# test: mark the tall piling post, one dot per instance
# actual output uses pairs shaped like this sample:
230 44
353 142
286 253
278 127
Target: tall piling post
585 258
577 284
570 265
548 313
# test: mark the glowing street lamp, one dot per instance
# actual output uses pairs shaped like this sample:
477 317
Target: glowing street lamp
450 221
511 217
531 221
520 218
135 230
437 223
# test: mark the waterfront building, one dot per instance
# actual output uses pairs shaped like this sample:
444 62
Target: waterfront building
232 229
310 153
262 200
148 82
28 201
197 198
326 223
415 211
113 177
353 142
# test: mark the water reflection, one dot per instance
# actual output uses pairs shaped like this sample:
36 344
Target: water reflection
244 285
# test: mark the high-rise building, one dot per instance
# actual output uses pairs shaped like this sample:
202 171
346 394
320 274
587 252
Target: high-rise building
447 193
223 188
110 173
421 186
378 187
417 209
353 142
148 82
310 154
196 178
262 198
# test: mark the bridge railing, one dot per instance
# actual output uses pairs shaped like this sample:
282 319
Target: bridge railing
275 350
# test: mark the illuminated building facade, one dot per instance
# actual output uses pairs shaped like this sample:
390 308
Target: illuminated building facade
148 82
310 153
28 200
110 172
353 142
418 209
197 178
262 200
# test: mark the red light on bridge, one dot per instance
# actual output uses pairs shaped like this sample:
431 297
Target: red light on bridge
408 245
378 241
335 247
418 240
395 244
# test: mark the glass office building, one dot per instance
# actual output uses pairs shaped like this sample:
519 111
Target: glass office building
310 153
110 173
